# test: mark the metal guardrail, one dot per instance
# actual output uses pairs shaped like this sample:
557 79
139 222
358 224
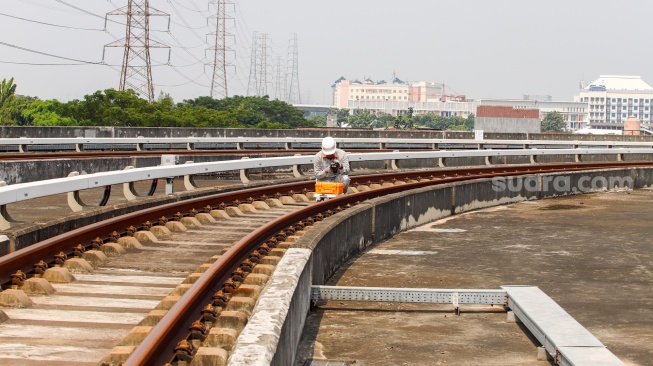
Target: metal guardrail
415 295
73 184
139 143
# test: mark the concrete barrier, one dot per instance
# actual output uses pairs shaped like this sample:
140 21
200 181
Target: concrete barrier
336 239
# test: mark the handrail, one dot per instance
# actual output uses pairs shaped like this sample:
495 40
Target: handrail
25 191
75 183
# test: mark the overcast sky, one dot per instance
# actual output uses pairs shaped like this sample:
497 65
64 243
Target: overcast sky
480 48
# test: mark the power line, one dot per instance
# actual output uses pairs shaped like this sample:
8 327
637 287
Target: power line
49 54
50 24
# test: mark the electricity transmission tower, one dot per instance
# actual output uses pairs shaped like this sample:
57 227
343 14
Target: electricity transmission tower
262 64
294 96
258 71
219 81
136 73
252 83
278 93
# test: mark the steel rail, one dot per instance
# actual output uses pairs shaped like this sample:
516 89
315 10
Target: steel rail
158 346
24 259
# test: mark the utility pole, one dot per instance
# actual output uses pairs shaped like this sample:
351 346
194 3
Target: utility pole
136 73
294 96
219 87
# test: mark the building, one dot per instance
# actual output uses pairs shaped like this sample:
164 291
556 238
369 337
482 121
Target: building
573 113
507 119
397 96
611 99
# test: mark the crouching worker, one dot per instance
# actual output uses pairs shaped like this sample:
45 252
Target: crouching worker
331 164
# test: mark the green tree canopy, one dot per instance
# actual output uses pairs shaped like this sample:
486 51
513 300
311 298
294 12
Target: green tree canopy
553 122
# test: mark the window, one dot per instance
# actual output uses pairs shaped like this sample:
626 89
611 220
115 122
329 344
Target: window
636 101
646 108
646 116
624 108
614 100
635 108
613 108
613 115
624 100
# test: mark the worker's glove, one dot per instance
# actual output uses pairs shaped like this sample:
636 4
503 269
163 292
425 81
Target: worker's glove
335 166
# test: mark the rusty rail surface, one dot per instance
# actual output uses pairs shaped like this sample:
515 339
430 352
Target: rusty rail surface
158 346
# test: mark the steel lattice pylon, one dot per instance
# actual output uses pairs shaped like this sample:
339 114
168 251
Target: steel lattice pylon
294 96
136 73
219 80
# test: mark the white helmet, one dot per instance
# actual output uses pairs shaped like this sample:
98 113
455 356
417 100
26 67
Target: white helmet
328 146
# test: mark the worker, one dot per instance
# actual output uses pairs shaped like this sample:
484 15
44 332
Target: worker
331 164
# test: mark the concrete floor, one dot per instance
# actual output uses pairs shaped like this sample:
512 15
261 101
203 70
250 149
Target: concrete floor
592 254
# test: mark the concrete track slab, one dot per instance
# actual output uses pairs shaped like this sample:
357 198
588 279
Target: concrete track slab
592 254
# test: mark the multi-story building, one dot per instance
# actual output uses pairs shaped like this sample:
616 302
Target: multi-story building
398 96
611 99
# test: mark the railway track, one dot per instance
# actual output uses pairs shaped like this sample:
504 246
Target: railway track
177 318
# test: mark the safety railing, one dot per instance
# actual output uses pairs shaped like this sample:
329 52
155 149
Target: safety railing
75 183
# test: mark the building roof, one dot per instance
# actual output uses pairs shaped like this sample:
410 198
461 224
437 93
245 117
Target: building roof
620 82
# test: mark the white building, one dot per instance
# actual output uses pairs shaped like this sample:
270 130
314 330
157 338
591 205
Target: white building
611 99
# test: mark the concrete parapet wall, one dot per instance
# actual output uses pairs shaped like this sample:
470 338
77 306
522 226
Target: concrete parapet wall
103 132
338 238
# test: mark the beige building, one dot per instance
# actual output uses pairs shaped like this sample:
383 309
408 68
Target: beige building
397 96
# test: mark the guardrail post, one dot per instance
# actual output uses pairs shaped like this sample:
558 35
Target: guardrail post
381 145
239 146
296 170
73 202
488 160
577 158
287 145
244 175
526 146
79 147
189 180
22 148
127 188
5 219
479 146
533 159
190 146
435 146
170 185
139 147
620 157
441 163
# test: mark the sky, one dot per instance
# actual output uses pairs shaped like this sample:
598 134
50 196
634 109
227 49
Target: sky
55 49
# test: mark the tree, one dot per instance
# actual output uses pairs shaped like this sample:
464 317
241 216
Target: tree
7 91
553 122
